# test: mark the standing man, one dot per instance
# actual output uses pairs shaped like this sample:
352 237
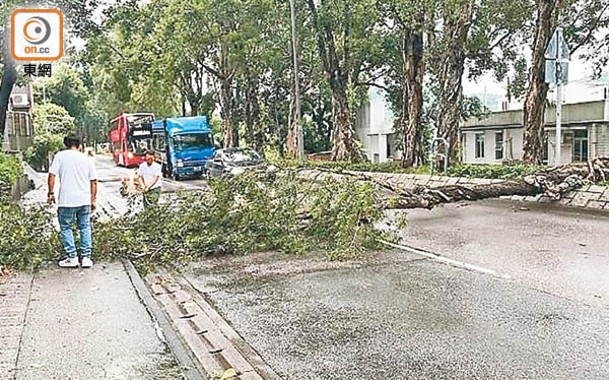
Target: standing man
150 173
77 194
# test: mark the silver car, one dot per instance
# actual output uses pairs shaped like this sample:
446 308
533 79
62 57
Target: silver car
234 161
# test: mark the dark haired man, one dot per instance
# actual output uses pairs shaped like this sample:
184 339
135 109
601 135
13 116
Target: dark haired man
77 193
150 173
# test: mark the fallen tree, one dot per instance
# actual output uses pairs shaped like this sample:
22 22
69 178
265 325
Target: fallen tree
552 182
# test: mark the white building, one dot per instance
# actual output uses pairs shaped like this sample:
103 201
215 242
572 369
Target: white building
499 137
374 127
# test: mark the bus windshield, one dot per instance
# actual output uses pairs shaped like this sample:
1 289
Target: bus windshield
193 141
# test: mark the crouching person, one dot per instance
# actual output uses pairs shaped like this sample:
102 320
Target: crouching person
150 173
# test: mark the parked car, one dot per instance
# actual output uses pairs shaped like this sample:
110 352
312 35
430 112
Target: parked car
234 161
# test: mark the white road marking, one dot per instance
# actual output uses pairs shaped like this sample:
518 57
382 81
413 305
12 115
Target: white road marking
442 259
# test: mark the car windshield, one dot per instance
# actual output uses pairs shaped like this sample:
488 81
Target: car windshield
243 157
193 141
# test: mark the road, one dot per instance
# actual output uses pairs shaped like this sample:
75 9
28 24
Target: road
542 313
525 296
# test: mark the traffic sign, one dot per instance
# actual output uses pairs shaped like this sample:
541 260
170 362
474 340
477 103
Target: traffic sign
558 48
554 76
557 59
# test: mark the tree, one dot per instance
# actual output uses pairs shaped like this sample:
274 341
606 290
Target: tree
9 71
546 22
345 33
457 17
582 19
405 50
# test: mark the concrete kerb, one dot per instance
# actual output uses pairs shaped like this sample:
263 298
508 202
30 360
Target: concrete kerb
165 330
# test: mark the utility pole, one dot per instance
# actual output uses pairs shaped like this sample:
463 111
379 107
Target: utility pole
557 57
559 79
298 125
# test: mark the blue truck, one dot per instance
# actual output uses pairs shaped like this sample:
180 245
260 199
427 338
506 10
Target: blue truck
183 145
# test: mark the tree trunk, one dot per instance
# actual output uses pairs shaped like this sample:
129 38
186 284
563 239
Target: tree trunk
554 183
344 146
6 87
252 116
226 107
291 143
412 99
534 104
450 98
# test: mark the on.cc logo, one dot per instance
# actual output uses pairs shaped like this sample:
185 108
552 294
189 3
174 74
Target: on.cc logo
37 34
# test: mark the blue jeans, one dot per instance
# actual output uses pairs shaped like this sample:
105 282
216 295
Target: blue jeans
66 216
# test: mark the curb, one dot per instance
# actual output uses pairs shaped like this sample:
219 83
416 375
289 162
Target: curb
164 328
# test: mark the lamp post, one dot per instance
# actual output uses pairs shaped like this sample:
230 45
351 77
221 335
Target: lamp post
298 124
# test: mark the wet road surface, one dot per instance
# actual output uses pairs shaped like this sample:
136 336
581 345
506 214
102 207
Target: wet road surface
401 316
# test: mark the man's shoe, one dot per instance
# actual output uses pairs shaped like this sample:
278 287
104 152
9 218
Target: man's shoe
70 262
86 262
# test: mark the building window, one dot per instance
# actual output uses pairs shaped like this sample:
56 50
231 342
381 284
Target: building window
499 145
546 149
580 145
479 145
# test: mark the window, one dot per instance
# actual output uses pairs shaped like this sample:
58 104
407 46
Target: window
479 145
580 145
193 141
499 145
546 149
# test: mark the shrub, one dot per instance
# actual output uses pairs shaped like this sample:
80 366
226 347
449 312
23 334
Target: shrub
491 171
44 145
28 237
10 168
52 123
462 170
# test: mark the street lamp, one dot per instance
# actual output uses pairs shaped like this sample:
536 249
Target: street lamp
298 129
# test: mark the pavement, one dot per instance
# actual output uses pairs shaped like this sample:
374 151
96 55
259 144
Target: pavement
79 324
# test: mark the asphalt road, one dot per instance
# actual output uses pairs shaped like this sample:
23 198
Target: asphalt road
399 315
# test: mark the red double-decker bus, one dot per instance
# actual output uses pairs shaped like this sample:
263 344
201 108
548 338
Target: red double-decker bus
130 137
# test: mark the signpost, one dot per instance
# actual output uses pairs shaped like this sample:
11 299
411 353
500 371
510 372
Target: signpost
557 72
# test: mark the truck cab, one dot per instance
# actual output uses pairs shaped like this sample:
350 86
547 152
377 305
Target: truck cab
183 145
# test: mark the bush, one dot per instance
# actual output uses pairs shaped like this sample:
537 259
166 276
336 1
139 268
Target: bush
44 145
52 123
491 171
28 237
10 168
386 167
462 170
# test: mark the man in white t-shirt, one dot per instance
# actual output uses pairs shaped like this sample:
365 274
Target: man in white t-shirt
150 173
77 193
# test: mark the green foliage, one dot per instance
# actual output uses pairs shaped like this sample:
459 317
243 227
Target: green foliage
247 214
385 167
463 170
43 145
54 119
28 238
491 171
64 88
10 168
52 123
